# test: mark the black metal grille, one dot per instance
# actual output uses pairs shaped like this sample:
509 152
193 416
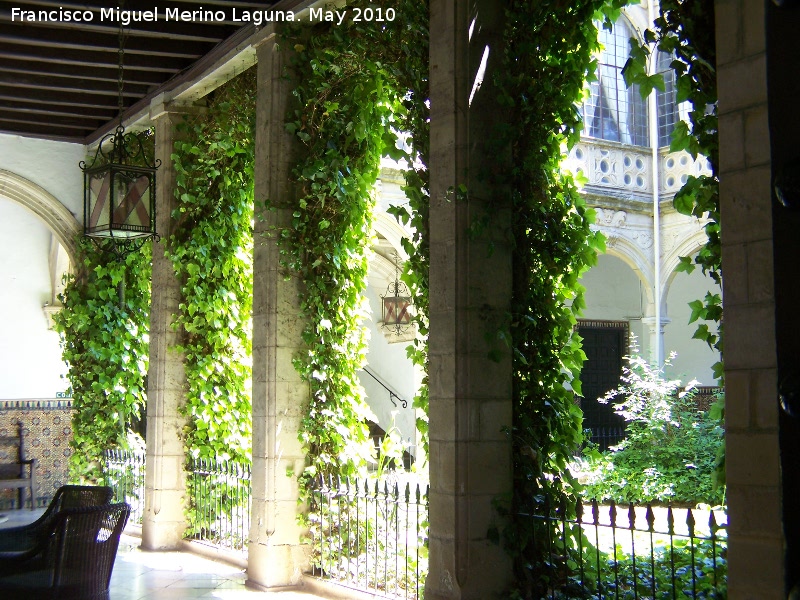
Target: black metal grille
220 503
125 474
633 552
605 437
219 496
371 535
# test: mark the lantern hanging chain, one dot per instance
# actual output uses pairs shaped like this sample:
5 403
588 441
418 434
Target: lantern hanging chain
121 71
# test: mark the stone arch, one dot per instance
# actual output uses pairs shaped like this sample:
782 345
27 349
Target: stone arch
634 256
388 227
638 18
45 206
686 246
389 240
694 359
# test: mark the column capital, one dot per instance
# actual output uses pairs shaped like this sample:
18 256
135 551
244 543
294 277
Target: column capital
651 322
162 105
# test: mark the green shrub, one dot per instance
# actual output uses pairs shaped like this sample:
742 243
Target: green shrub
671 447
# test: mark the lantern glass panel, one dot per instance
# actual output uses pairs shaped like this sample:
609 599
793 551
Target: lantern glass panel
132 204
98 190
119 203
396 310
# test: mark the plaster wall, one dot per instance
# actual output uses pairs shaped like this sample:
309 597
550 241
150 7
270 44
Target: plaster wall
388 361
52 165
30 355
29 352
694 358
614 293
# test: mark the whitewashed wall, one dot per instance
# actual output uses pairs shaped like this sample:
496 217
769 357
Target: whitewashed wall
614 292
694 358
30 355
51 165
391 365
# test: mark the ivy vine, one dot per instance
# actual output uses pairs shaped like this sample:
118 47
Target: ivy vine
355 90
412 76
547 55
104 337
211 252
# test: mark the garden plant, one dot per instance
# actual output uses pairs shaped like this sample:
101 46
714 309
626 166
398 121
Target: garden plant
670 450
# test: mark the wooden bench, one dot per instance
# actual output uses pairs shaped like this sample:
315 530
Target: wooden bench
17 472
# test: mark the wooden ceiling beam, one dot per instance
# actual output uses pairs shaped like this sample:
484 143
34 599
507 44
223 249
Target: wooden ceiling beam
205 32
77 112
58 40
88 58
42 130
43 69
66 72
54 122
141 5
16 94
53 84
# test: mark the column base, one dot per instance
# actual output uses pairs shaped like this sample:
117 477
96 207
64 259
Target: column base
272 567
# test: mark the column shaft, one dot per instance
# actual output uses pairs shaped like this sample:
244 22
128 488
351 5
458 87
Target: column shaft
164 522
470 294
280 398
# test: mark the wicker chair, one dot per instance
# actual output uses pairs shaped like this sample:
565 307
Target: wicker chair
74 560
25 537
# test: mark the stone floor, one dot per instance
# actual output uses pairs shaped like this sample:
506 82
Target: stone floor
140 575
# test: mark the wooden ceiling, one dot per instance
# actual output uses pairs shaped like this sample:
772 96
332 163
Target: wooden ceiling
59 78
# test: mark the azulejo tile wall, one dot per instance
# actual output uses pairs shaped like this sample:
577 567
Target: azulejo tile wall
48 431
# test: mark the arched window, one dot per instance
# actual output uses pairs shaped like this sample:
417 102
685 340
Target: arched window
613 111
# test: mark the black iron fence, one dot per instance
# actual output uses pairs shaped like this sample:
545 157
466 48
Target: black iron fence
632 552
371 535
220 498
125 474
605 437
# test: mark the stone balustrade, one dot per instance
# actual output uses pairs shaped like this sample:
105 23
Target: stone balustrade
611 167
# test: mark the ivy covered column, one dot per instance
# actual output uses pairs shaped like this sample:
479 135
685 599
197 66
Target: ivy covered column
280 397
470 297
164 522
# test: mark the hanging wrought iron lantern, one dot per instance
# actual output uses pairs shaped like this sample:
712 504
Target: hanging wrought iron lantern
397 303
119 186
119 190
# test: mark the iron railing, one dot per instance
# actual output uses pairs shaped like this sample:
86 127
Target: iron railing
632 552
220 498
371 535
605 437
125 474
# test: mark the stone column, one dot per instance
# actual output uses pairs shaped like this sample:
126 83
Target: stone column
756 539
655 337
164 522
470 293
276 557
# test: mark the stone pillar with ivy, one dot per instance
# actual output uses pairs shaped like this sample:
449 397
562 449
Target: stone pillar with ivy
276 557
164 522
470 374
